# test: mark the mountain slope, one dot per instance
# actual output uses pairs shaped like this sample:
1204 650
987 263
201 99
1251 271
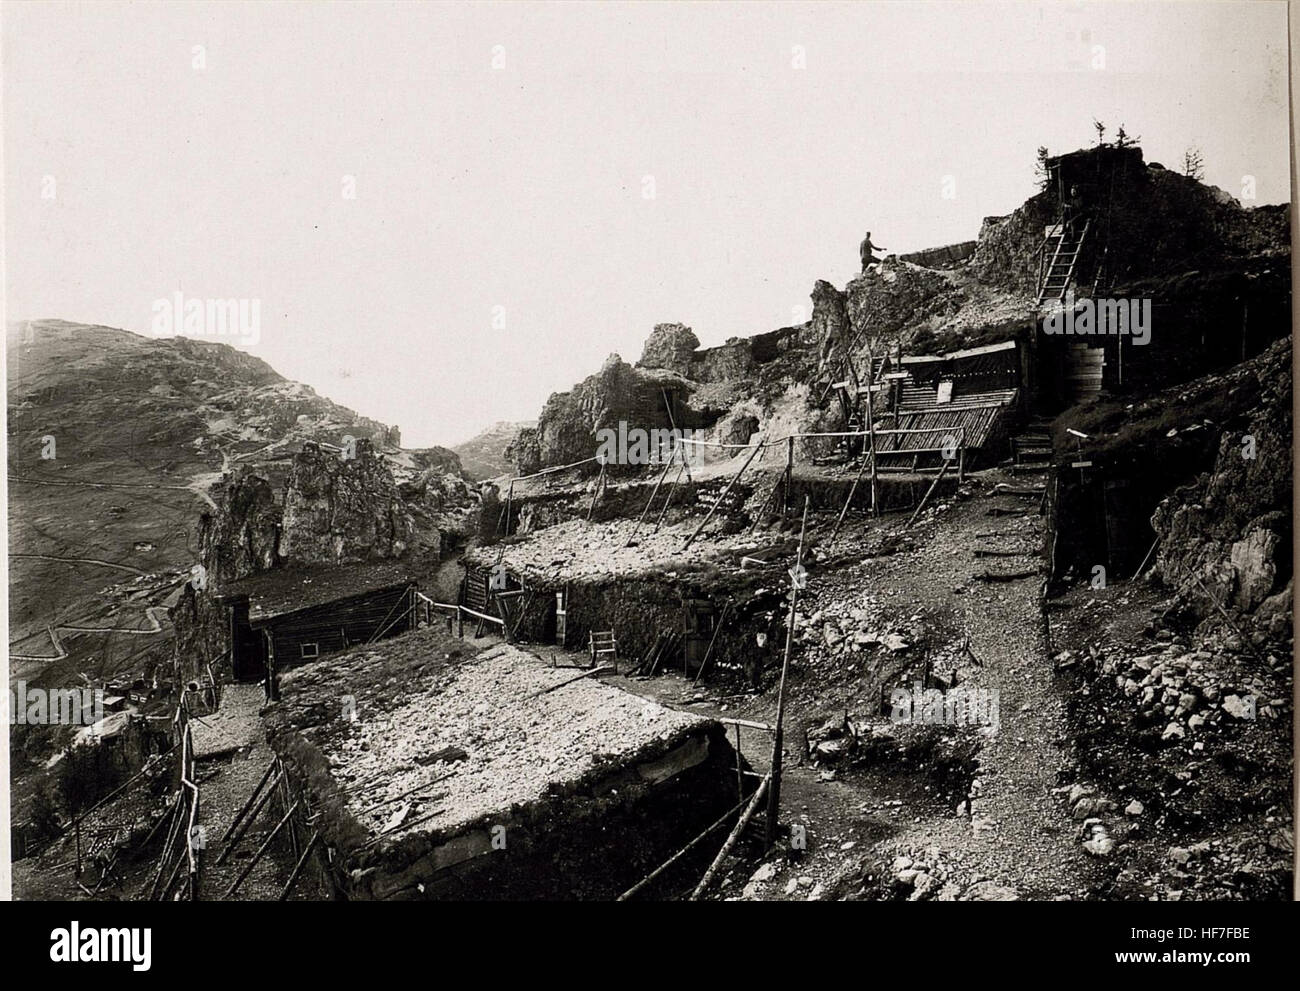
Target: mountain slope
114 441
484 456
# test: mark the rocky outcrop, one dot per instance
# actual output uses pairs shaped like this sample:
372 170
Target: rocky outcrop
436 490
1007 251
671 346
1157 222
566 429
1230 529
525 451
441 459
894 297
342 510
830 318
243 536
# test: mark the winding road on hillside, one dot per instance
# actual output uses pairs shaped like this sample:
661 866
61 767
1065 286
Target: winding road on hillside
60 653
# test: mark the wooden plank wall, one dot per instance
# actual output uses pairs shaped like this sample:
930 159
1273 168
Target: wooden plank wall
337 625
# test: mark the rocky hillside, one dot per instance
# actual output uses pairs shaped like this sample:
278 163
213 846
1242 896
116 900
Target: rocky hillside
133 459
484 455
1198 253
1228 534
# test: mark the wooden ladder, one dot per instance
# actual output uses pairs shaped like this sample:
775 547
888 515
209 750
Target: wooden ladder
1058 274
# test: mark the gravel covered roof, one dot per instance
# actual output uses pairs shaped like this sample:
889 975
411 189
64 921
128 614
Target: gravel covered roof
483 733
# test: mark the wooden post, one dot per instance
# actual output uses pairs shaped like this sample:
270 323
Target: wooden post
669 500
678 442
848 501
248 868
717 628
774 791
600 487
921 505
285 797
871 436
649 502
234 823
297 868
740 775
679 854
252 816
718 502
177 819
789 475
750 809
510 499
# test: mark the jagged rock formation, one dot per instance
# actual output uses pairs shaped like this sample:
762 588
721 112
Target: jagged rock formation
895 297
566 429
244 535
342 510
525 451
1159 222
334 510
830 318
436 489
671 346
725 394
1231 527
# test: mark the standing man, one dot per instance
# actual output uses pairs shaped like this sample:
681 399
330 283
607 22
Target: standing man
866 249
756 662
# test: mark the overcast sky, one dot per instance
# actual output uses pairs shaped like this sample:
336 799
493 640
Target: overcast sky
576 173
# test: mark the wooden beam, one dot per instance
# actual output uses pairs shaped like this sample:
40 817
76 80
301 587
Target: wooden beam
735 478
600 488
925 498
568 681
717 628
234 843
649 502
266 843
755 800
774 793
297 868
680 853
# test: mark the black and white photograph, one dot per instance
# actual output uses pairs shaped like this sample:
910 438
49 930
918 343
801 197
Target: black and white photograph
650 452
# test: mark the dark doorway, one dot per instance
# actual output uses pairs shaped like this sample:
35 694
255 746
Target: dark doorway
248 646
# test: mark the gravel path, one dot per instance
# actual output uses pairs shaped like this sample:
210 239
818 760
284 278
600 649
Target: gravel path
229 769
1020 834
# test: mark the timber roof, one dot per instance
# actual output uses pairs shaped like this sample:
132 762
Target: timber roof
282 591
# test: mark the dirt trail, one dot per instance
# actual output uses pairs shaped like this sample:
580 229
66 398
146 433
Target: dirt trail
232 757
1020 834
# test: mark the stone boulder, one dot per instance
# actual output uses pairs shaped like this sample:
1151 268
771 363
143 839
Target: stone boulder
566 430
671 346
